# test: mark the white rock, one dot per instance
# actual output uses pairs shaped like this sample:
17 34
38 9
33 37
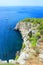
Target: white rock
41 51
41 56
12 61
26 48
24 56
4 61
21 62
32 51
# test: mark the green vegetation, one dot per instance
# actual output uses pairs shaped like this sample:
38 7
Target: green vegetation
23 46
36 21
38 35
26 20
34 38
37 24
33 20
17 56
30 34
33 41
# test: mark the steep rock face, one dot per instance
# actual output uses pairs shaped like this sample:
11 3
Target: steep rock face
26 27
23 27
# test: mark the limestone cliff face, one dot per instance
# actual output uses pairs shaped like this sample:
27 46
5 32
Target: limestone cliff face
24 28
27 52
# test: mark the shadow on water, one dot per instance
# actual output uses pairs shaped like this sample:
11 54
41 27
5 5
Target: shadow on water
13 44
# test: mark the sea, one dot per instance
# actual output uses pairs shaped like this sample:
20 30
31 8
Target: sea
11 40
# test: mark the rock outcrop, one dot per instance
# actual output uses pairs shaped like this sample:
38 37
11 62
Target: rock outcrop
28 53
25 28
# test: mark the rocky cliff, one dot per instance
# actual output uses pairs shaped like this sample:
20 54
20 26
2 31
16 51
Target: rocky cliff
29 30
25 28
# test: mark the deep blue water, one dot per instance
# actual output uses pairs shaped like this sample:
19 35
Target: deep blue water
11 40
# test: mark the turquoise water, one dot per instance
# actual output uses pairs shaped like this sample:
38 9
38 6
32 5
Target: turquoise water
11 40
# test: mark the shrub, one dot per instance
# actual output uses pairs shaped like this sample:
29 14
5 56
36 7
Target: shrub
38 35
26 20
23 46
33 41
17 56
